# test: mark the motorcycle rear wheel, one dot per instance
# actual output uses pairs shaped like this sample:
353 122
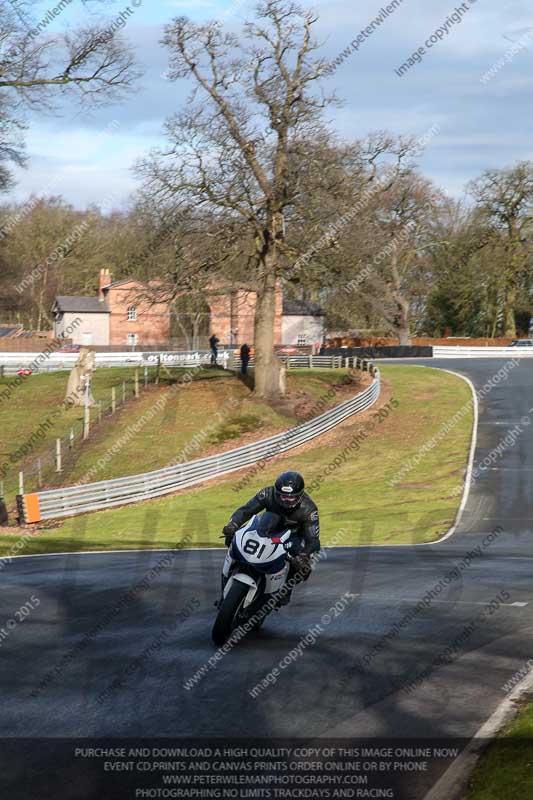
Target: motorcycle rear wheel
226 618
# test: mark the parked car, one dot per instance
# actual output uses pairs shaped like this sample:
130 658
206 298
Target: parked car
289 350
522 343
24 372
73 348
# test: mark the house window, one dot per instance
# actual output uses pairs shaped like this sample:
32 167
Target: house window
132 339
132 313
302 340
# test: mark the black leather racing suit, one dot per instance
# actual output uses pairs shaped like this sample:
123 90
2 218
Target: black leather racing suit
303 521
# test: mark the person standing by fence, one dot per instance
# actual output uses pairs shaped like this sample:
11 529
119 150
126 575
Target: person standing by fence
213 342
245 358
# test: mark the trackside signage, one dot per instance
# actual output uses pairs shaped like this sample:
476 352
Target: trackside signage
182 357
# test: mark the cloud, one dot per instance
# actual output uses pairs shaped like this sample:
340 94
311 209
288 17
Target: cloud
474 119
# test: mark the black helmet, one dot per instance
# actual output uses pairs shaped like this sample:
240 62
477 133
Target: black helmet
288 489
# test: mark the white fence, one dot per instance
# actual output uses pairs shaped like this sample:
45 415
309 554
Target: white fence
40 362
44 362
481 352
69 501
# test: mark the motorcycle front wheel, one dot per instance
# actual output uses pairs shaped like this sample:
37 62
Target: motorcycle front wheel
228 611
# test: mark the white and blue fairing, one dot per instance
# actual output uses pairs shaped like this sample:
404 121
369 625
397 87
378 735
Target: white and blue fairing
262 549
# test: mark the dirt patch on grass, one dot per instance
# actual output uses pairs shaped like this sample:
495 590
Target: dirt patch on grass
364 421
296 404
304 405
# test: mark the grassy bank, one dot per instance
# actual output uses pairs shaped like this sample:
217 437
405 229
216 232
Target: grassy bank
37 402
361 499
505 770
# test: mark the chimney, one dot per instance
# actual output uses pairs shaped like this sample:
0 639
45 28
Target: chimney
104 281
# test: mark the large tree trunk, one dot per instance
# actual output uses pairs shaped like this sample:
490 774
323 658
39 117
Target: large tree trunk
402 318
515 265
509 321
403 331
267 365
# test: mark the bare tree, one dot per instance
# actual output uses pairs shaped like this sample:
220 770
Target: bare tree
381 265
230 150
91 64
406 222
505 198
253 149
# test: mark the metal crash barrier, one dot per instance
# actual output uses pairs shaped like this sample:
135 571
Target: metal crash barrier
73 500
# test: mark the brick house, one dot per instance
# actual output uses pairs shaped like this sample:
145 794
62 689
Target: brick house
233 314
303 323
133 318
83 320
123 315
120 315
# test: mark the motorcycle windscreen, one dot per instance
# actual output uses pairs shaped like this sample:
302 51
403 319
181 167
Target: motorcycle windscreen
269 524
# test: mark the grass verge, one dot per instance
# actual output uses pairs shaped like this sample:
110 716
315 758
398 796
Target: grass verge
356 497
37 404
505 770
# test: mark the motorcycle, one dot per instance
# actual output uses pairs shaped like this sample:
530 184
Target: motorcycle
254 572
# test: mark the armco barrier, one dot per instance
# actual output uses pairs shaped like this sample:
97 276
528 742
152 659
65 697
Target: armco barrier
72 500
482 352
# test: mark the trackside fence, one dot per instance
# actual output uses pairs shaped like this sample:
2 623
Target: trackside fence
10 363
482 352
73 500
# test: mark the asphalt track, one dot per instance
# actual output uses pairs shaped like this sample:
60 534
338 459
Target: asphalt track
351 682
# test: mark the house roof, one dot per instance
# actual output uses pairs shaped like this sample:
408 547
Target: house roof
120 283
301 308
10 330
135 282
87 305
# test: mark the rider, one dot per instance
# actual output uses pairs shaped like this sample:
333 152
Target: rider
287 499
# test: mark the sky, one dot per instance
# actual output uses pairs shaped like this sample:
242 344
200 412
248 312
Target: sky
470 124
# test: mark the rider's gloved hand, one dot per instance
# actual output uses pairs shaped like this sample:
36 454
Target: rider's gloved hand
302 566
228 532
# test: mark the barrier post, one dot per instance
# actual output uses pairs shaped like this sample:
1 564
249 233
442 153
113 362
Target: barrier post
87 414
123 391
3 508
58 457
71 438
136 384
113 399
145 377
21 482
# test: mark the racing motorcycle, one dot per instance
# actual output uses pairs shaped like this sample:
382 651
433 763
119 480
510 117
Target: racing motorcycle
255 570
